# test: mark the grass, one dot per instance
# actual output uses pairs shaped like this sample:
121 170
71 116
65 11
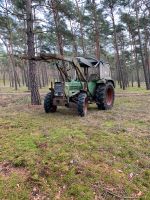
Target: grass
134 89
23 89
105 155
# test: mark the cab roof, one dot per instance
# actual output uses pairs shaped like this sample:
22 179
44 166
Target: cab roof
88 62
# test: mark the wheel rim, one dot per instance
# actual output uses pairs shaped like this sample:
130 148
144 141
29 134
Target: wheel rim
109 96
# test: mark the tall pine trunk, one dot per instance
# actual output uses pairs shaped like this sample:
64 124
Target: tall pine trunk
97 34
56 16
9 48
35 96
136 63
74 42
119 67
53 4
81 27
141 50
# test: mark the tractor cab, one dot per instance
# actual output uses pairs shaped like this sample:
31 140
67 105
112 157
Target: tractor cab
94 69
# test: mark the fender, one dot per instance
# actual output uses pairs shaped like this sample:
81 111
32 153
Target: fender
104 81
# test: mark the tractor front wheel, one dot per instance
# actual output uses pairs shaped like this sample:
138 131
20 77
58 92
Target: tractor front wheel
105 95
82 104
48 103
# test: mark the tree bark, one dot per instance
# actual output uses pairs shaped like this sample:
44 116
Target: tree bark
81 28
4 78
146 52
136 63
75 48
9 48
141 50
97 33
56 20
119 67
35 96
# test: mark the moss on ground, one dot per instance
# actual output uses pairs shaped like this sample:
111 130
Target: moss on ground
105 155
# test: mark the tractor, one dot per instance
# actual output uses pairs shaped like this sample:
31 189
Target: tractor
81 82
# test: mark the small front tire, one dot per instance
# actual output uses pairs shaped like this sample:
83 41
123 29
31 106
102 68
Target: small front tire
82 104
48 103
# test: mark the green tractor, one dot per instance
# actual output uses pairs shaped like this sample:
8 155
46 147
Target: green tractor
81 82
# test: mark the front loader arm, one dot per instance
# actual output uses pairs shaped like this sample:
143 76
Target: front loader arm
48 57
78 69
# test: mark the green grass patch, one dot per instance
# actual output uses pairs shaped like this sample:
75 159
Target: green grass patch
63 156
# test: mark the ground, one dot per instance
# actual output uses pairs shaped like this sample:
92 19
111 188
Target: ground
105 155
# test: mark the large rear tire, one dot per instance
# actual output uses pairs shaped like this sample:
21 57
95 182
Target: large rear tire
82 104
48 103
105 95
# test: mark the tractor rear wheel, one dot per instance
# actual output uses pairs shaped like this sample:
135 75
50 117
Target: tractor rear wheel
48 103
82 104
105 95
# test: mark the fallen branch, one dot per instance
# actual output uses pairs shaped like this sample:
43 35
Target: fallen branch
106 191
118 196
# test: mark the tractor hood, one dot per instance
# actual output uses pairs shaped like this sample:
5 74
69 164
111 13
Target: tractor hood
72 88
